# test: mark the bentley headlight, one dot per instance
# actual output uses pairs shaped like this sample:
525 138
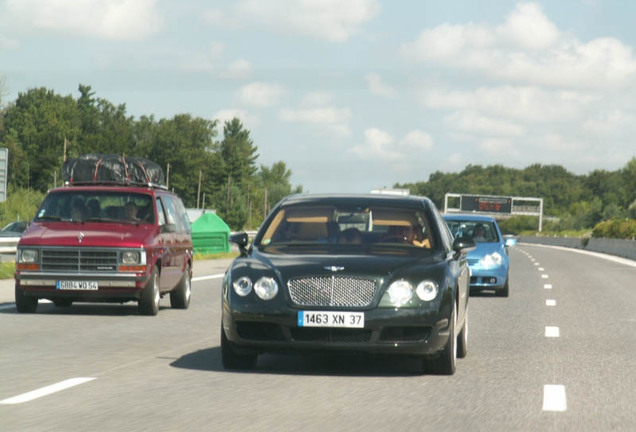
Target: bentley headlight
242 286
492 260
426 290
266 288
29 256
400 292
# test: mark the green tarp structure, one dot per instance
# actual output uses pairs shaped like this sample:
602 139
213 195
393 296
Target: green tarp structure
210 234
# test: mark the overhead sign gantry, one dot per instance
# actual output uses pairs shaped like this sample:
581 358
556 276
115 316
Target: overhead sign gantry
498 206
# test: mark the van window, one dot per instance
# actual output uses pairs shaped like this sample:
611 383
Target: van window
176 214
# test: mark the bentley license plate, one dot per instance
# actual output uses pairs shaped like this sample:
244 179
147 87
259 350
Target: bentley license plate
76 285
330 319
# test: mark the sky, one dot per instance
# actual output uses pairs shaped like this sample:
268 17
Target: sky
352 95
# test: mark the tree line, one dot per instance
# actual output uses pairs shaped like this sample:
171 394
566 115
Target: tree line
571 202
42 128
213 170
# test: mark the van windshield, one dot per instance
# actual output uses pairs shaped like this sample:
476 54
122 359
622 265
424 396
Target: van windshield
96 206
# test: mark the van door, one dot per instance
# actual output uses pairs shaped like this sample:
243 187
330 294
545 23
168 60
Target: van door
178 241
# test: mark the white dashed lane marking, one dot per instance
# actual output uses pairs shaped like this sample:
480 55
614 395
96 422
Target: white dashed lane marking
551 331
550 302
45 391
554 398
547 286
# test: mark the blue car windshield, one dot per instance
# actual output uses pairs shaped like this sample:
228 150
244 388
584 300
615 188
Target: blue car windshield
480 231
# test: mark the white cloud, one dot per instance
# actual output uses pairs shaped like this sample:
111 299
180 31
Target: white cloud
260 94
380 145
332 20
317 109
228 114
529 28
526 48
417 140
240 68
109 19
529 104
471 122
377 86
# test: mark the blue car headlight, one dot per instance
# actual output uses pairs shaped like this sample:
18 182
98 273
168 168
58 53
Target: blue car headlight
491 260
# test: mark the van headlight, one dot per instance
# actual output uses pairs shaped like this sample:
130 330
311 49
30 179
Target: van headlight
29 256
131 257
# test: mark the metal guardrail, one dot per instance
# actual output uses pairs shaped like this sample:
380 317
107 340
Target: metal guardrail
8 244
619 247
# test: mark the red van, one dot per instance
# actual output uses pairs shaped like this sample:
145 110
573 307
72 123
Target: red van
98 242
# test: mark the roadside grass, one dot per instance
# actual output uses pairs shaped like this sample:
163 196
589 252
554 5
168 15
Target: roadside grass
221 255
7 268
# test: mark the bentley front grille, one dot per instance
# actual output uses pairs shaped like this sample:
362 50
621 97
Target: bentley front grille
79 260
332 291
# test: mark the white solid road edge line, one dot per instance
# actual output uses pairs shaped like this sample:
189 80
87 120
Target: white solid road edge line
45 391
554 398
200 278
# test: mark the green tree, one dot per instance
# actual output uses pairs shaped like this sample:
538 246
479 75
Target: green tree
37 125
275 182
238 152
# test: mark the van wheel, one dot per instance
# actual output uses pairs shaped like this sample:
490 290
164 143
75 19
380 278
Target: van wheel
25 304
180 296
149 302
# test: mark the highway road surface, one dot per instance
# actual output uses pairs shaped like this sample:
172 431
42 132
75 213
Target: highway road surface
557 355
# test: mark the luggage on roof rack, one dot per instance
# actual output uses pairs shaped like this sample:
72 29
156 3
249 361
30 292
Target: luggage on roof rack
99 168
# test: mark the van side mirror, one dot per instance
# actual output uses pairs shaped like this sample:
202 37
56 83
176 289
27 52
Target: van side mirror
168 228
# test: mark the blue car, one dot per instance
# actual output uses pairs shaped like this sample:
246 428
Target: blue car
489 264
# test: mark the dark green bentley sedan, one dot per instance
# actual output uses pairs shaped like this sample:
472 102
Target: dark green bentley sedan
348 273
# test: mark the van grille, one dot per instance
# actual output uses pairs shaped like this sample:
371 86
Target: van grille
332 291
79 260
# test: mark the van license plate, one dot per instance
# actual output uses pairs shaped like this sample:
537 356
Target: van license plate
330 319
76 285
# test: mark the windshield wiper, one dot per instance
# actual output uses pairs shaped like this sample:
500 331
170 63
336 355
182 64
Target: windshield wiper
49 218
